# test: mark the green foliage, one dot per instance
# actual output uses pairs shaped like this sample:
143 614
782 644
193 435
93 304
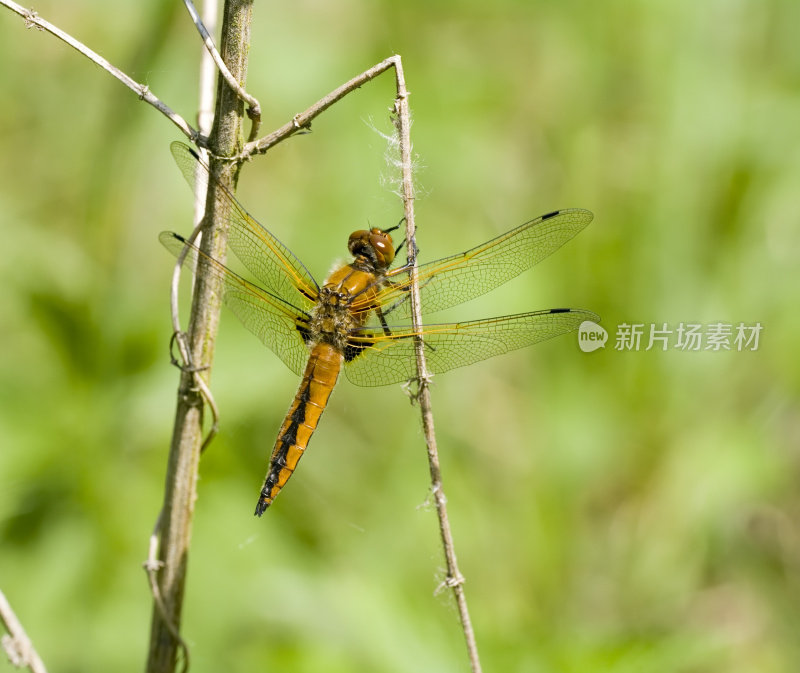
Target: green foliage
616 511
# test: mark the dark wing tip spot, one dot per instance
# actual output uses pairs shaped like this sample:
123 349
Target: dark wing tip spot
560 310
549 215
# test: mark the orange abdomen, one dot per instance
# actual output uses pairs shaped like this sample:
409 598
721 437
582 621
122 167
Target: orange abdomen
301 420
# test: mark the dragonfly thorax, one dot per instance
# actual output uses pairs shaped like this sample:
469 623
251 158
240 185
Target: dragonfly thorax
331 319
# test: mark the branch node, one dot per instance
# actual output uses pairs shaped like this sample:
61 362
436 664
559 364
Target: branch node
152 565
439 496
143 91
181 338
421 382
15 650
449 582
32 19
456 581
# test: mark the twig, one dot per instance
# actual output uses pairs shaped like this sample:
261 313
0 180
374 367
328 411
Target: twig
32 19
187 439
254 107
454 579
17 645
303 120
205 107
151 566
181 338
205 119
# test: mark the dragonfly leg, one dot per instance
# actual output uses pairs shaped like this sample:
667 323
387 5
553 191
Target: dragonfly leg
384 324
403 288
396 226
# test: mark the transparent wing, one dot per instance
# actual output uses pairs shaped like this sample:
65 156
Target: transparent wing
278 324
466 275
377 358
274 266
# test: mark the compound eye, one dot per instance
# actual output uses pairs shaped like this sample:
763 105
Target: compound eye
383 246
358 239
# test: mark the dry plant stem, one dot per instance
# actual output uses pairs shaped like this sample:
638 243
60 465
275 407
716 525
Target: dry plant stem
34 20
205 119
188 434
181 338
254 108
455 579
17 645
205 107
152 566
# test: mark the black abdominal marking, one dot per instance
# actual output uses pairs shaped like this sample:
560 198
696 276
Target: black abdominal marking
286 440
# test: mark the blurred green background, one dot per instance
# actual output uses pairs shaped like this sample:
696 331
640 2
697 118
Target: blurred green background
614 511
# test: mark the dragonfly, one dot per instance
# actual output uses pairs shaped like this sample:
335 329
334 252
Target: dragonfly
359 318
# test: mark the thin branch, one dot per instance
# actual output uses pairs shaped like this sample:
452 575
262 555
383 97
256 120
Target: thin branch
187 439
201 194
180 337
205 118
454 579
254 107
17 645
302 121
33 20
205 107
152 566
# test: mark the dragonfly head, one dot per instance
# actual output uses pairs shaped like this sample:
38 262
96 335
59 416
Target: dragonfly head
373 244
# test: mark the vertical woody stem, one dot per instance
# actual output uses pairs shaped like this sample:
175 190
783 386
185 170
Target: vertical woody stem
180 489
455 579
